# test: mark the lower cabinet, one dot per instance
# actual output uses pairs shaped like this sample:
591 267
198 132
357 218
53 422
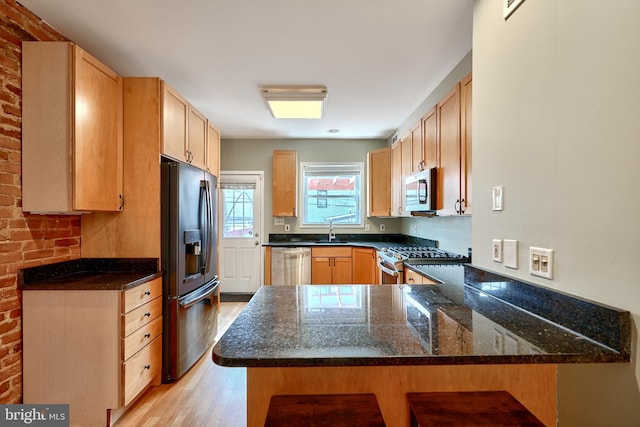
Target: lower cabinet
331 265
414 278
95 350
364 266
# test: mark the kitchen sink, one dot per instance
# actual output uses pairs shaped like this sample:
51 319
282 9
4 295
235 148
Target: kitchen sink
334 242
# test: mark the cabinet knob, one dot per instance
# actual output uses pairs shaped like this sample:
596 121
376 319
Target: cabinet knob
147 292
147 366
147 335
147 314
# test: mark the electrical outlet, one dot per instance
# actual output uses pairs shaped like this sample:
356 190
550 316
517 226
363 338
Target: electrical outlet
382 227
496 250
287 227
541 262
278 221
510 253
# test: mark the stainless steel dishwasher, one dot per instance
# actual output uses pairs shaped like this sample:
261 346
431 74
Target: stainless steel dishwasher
291 266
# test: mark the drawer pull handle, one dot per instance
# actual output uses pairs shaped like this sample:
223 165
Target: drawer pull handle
147 335
147 292
147 314
147 366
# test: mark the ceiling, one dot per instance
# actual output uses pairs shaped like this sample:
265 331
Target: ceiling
379 59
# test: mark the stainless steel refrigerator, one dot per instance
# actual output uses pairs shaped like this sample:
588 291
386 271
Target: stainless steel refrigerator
189 264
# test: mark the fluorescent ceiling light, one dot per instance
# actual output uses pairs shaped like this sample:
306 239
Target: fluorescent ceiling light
296 102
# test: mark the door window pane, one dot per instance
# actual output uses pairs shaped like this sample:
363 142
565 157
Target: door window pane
237 205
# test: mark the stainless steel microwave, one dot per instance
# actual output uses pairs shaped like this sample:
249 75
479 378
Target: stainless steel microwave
420 191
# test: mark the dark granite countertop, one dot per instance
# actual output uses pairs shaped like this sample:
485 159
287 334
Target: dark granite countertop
90 274
377 241
378 325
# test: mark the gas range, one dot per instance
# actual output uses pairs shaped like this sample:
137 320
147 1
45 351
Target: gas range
397 255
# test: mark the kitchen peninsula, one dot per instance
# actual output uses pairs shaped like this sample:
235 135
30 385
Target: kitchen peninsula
394 339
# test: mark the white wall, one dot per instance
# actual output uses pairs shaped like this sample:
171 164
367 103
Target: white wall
556 121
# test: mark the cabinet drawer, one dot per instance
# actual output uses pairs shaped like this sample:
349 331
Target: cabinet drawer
141 337
331 251
141 369
141 294
139 317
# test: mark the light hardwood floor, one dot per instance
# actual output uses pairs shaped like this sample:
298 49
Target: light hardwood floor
208 395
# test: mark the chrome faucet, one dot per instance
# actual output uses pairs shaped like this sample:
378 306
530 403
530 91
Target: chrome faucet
332 235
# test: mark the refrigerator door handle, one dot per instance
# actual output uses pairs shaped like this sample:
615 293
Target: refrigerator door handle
199 295
209 228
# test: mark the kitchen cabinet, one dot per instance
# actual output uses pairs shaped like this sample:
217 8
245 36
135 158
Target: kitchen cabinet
110 339
331 265
412 277
396 178
430 139
72 142
364 266
379 169
454 150
285 183
406 171
417 156
213 150
185 129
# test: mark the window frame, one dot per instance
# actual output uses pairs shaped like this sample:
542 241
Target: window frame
358 167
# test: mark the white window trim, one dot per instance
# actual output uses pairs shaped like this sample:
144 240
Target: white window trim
363 190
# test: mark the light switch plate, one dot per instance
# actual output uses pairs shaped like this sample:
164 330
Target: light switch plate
498 198
541 262
496 250
510 253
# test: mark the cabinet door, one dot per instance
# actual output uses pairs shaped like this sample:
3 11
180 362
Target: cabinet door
364 266
417 157
412 278
465 159
174 124
430 139
197 141
213 150
342 271
396 179
98 149
448 196
406 170
321 269
285 179
380 182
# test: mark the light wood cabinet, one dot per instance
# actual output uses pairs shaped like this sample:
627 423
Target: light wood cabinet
364 266
96 350
331 265
175 117
379 170
417 156
213 150
72 152
430 139
412 277
454 147
397 182
197 140
285 183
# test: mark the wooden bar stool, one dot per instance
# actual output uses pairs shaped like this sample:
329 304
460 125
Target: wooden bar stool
336 410
473 408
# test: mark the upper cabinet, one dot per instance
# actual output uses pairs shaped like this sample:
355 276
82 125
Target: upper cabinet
285 180
417 156
379 169
187 133
72 143
213 150
396 178
454 148
430 139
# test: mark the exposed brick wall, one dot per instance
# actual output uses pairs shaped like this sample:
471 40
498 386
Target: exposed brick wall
25 240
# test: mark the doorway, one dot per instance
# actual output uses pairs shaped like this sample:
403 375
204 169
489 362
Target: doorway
241 215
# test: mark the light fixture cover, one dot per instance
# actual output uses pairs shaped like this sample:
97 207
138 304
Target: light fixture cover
295 102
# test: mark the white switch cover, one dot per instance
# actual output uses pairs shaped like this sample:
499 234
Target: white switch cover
510 253
498 198
541 262
496 250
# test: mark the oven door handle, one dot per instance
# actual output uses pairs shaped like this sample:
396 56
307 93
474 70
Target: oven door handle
199 295
390 272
